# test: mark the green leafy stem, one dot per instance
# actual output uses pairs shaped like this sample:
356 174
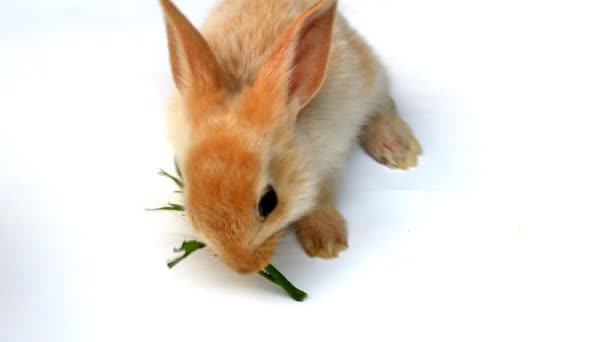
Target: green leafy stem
189 247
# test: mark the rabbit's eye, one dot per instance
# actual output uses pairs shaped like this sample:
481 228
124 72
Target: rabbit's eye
268 202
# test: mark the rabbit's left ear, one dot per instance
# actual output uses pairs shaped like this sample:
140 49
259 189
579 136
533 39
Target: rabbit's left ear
194 67
297 68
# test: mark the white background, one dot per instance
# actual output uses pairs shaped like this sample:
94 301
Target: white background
498 235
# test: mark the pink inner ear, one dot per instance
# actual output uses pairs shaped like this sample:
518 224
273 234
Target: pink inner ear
302 49
310 59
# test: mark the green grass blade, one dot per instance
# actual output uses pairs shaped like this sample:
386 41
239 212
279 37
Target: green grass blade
175 179
282 282
170 207
179 172
188 247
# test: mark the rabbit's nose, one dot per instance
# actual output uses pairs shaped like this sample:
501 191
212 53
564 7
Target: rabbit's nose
243 264
247 268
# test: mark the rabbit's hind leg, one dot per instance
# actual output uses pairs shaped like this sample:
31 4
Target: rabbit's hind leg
389 140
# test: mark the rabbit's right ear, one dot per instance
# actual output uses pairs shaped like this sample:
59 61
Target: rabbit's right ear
194 67
297 68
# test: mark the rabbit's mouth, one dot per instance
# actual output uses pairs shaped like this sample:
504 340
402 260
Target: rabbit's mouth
246 262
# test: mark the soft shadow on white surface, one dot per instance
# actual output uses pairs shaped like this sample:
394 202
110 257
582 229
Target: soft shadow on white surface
498 235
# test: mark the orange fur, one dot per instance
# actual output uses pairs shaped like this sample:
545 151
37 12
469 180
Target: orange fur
259 109
220 197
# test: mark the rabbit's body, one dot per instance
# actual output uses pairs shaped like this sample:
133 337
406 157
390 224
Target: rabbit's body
272 96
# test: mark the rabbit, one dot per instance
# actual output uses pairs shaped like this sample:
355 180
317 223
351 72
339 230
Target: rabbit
270 98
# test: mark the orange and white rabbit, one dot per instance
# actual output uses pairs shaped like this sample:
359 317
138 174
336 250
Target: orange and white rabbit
271 96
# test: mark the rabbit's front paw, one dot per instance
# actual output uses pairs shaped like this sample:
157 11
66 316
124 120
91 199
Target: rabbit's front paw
322 233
